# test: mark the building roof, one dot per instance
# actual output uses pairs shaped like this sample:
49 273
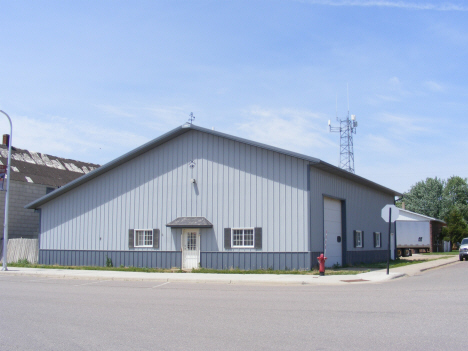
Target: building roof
314 162
33 167
406 215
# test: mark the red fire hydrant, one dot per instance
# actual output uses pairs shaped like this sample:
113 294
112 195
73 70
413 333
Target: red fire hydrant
321 260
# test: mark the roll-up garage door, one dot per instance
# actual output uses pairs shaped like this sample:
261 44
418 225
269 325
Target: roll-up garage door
332 231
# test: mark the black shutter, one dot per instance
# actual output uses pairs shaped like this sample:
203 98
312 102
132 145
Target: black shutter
362 238
227 238
131 239
258 237
155 238
355 238
375 239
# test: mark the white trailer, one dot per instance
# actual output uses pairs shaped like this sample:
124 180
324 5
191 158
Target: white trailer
414 232
413 235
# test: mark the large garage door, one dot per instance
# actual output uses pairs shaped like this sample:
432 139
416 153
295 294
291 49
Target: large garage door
332 231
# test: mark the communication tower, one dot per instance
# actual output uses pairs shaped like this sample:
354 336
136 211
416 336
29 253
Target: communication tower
346 129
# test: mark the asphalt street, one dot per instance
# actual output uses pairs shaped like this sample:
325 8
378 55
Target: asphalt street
422 312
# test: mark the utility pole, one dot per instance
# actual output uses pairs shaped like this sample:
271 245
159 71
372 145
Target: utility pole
7 196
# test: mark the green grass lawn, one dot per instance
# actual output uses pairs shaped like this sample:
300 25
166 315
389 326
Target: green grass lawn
399 262
328 271
348 270
336 271
442 253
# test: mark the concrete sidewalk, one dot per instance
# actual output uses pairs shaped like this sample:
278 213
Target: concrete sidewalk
264 279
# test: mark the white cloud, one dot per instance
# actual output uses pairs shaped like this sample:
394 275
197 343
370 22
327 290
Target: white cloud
296 130
388 98
394 81
391 4
405 172
115 110
166 118
379 145
433 86
450 33
68 138
154 118
404 125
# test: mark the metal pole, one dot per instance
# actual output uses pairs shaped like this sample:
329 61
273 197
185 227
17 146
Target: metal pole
325 248
389 230
7 195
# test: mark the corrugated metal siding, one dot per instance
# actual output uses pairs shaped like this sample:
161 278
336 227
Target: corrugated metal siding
363 209
150 259
258 260
238 185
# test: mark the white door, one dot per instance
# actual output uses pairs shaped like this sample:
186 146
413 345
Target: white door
332 231
190 248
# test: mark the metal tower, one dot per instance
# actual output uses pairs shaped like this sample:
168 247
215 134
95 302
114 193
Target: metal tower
346 129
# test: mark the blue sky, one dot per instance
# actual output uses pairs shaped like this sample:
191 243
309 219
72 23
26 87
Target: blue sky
91 80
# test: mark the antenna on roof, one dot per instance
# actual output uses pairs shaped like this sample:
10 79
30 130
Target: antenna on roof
192 117
346 129
336 110
347 93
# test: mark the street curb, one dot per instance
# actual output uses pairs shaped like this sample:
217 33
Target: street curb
440 265
232 279
399 275
219 280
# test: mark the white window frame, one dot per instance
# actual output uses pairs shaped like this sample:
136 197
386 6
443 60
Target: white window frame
135 237
378 235
358 234
243 246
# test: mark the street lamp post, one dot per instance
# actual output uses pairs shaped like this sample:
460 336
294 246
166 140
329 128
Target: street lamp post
7 195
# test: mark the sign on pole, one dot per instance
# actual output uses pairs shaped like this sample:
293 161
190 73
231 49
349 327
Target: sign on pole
3 171
389 214
386 210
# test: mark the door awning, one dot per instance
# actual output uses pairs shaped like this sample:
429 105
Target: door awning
190 222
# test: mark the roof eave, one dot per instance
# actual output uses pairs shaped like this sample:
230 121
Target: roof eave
353 177
183 129
431 219
108 166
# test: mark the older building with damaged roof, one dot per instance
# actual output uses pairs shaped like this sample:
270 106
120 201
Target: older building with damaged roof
33 175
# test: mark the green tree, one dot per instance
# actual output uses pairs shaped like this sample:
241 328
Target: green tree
456 229
425 197
455 195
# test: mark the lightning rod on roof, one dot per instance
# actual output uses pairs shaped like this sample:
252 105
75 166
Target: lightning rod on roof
346 129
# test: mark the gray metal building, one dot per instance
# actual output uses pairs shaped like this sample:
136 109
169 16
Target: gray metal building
197 197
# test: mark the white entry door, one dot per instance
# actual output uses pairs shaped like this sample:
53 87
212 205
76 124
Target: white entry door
190 248
332 231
